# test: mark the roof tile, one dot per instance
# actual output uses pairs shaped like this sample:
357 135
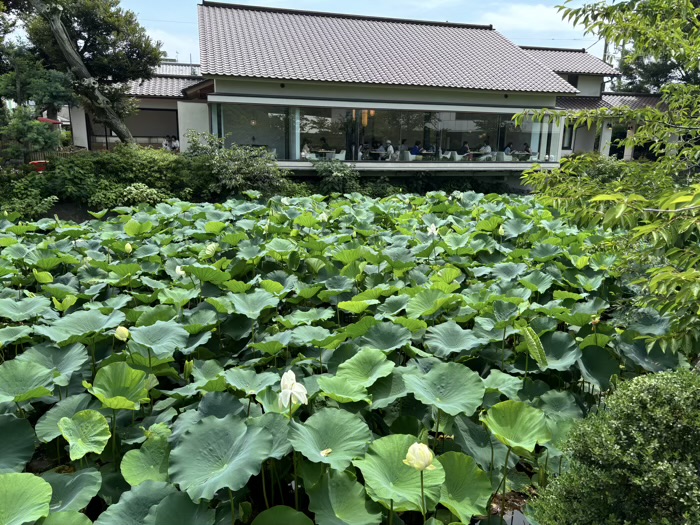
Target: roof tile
574 61
246 41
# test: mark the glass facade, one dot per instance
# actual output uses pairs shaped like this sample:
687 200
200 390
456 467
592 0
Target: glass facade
360 135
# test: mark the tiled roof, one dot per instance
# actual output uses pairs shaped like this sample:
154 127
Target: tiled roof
162 86
255 42
609 101
574 61
633 100
581 103
174 69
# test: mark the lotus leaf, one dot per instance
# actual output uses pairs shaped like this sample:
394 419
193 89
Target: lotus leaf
281 514
135 505
87 431
18 442
448 338
179 508
451 387
517 425
73 491
218 453
338 499
21 381
467 488
24 498
331 436
162 337
388 479
150 462
120 387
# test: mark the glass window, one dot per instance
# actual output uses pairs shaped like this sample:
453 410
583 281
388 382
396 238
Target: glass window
258 126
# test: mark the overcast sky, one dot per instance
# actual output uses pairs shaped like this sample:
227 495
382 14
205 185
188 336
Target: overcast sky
525 22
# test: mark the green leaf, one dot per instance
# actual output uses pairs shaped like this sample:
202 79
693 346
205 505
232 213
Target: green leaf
467 488
87 431
79 326
428 302
534 346
517 425
561 350
388 479
338 499
120 387
24 498
24 309
66 518
365 367
249 381
282 515
163 337
65 361
451 387
73 491
252 305
134 505
47 426
179 508
21 381
150 462
341 390
331 436
218 453
537 281
386 337
450 338
597 366
207 274
18 442
357 307
42 277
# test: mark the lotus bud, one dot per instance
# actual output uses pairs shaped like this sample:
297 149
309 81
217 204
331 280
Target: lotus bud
501 231
291 391
122 333
433 231
128 248
189 367
323 217
420 457
179 271
211 248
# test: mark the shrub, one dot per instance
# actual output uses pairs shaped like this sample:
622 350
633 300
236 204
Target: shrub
635 462
235 168
337 177
25 193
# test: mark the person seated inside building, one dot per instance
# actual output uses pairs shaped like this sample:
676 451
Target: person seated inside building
323 145
389 150
509 149
464 150
403 146
526 148
305 149
416 149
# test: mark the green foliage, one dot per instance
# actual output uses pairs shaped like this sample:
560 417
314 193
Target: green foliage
633 462
209 359
337 177
24 134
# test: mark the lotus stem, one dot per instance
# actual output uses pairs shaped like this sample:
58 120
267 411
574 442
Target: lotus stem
492 460
262 473
296 481
114 439
250 399
422 497
437 431
391 513
505 474
233 508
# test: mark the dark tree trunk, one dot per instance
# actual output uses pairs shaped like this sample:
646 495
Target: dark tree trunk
89 87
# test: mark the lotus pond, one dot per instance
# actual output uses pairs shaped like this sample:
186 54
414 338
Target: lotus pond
144 354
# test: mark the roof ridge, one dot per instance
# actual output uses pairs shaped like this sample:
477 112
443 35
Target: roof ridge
565 49
630 94
246 7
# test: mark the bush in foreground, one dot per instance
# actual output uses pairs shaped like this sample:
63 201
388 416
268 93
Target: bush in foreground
635 462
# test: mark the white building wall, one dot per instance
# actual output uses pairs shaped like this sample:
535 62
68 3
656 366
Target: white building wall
79 127
589 86
191 115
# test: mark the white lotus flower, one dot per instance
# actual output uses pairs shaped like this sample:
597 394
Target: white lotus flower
292 392
121 333
433 231
179 271
323 217
420 457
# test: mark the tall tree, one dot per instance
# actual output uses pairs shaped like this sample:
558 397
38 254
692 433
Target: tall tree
100 45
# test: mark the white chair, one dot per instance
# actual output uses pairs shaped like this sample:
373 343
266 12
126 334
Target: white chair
447 154
341 155
311 156
502 157
456 156
411 157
